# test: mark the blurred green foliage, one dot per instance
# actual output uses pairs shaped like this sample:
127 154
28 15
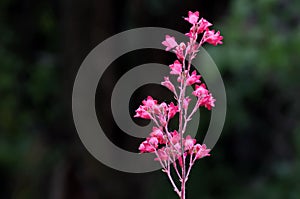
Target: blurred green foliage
28 83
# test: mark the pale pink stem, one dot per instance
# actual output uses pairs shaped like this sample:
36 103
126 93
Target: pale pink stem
173 184
190 166
182 130
177 172
161 163
154 120
194 110
171 179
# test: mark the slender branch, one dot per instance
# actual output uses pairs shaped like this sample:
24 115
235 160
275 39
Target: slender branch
160 160
177 172
154 120
171 180
190 167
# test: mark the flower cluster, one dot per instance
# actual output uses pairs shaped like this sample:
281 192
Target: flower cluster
159 112
173 148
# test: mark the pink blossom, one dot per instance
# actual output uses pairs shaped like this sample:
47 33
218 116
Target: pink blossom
162 155
192 79
157 132
203 25
193 17
162 108
189 143
177 146
207 101
186 102
145 147
161 113
201 151
142 113
162 120
168 84
192 33
172 110
169 42
176 68
153 141
212 38
149 106
204 97
175 137
149 102
200 91
179 51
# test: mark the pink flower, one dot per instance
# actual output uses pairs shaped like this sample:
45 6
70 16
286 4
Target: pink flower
179 51
172 110
157 132
190 35
169 43
207 101
162 155
192 79
145 147
149 106
186 102
193 33
153 141
149 102
212 38
200 91
162 120
162 108
142 113
176 68
189 143
168 84
203 25
204 97
193 17
175 137
201 151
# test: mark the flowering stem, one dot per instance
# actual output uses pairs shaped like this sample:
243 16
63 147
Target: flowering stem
168 146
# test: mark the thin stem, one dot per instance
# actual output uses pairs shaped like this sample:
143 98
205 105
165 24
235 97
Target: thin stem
190 167
194 110
171 179
161 163
177 172
154 120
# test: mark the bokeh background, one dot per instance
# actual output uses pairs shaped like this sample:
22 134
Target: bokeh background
42 44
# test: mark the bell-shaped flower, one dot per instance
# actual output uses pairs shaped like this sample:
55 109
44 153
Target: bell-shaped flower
169 42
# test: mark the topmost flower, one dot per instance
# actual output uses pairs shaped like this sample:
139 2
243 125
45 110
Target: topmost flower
193 17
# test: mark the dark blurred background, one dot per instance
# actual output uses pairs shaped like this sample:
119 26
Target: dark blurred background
42 44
